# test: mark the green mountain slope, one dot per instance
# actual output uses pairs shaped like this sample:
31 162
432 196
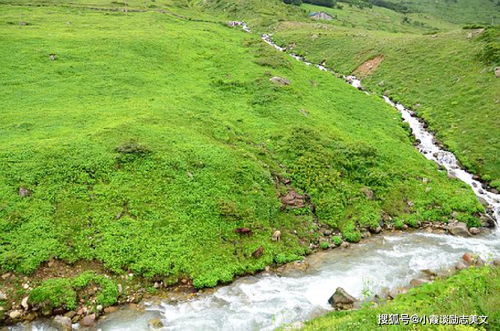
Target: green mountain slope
456 11
445 77
149 139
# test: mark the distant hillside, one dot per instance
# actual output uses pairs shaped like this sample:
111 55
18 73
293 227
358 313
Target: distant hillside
456 11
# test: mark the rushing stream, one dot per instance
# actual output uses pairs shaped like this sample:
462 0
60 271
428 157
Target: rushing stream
266 301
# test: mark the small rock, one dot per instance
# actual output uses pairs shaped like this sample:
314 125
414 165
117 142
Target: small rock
3 296
70 314
327 233
341 299
63 322
24 192
458 229
460 265
25 304
88 320
429 273
474 231
468 258
479 262
344 244
111 309
245 231
99 308
487 221
155 323
52 57
497 72
376 230
397 291
280 81
30 316
6 276
15 314
258 252
47 312
418 282
276 235
483 202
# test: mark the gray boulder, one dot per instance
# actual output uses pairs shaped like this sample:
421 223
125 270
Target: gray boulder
62 323
341 299
458 229
474 231
155 323
88 320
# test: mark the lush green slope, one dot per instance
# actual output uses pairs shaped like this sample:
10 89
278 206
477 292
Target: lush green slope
457 11
151 138
443 77
379 18
473 291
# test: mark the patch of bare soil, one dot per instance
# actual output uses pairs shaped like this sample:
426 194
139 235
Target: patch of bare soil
367 68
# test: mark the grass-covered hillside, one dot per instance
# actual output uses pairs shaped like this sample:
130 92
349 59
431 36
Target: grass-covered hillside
473 291
457 11
447 77
143 141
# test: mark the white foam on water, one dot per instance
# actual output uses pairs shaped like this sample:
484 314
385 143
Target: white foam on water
266 301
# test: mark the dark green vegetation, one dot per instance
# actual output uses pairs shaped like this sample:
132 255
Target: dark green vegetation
473 291
63 292
444 72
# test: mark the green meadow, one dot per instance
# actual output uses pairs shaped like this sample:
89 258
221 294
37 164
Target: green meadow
442 71
151 138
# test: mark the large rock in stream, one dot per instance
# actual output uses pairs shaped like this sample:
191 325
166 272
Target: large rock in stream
342 300
458 229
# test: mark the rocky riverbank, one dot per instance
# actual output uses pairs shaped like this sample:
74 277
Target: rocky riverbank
133 290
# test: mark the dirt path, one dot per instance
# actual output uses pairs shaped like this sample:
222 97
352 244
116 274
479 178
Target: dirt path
368 67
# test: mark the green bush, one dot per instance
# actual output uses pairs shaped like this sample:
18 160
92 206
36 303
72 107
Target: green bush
54 293
337 240
63 292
